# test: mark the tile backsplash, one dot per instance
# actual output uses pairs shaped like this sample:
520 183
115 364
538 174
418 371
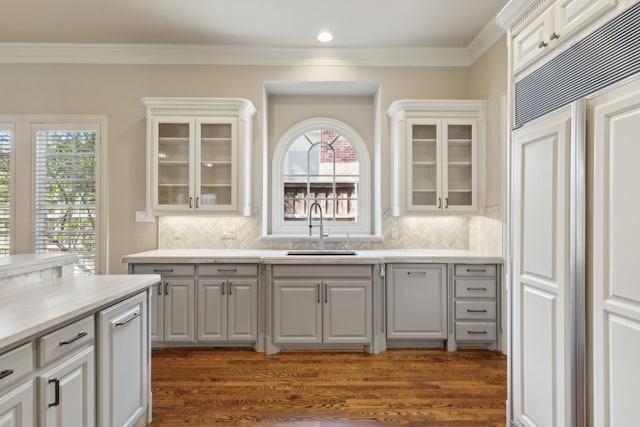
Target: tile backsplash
479 233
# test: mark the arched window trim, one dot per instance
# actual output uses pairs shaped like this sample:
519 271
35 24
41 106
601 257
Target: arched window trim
360 227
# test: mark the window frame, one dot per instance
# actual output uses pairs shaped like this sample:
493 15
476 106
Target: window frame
23 177
11 129
280 227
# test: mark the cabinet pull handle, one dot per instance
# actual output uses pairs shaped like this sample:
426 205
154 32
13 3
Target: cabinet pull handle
554 36
190 202
222 287
542 44
74 339
439 202
166 288
416 273
326 294
318 292
476 270
163 270
5 373
476 311
135 315
160 288
476 289
229 287
477 332
227 270
56 396
197 202
446 203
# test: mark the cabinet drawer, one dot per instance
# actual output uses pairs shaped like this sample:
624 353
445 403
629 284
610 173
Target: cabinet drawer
485 331
475 310
470 288
15 363
165 270
228 270
479 270
65 340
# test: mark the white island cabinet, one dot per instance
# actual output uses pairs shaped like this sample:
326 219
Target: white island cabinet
71 349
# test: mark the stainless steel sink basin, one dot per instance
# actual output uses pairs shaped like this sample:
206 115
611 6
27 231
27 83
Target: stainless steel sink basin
314 252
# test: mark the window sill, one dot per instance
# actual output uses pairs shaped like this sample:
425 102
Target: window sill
339 238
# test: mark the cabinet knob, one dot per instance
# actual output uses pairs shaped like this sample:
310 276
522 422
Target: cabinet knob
542 44
554 36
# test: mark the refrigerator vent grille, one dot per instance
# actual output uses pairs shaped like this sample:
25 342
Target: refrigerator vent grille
604 57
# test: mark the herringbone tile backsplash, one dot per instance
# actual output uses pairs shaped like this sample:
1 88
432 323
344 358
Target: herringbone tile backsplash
480 233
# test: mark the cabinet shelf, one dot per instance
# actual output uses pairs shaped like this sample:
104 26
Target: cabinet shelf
216 185
459 141
173 140
173 162
211 163
424 163
461 190
218 140
424 140
424 190
173 185
460 164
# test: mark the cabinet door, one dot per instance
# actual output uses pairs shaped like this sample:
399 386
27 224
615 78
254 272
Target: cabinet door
16 406
212 310
297 313
67 392
347 311
122 362
616 291
215 164
573 15
243 310
417 302
156 312
460 165
179 310
424 163
533 40
172 174
542 324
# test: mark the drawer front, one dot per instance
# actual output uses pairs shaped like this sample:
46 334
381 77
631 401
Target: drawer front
165 270
480 331
475 310
479 270
228 270
469 288
15 364
65 340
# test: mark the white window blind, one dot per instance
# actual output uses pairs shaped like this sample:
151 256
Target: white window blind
6 137
65 194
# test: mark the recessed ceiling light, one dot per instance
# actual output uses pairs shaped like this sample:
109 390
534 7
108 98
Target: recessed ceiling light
325 36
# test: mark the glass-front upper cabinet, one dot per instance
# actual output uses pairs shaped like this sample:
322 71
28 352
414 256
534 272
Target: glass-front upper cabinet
199 156
435 148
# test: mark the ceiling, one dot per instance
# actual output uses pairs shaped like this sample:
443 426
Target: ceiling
295 24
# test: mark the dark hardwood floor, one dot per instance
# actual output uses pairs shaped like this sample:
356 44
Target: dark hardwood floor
323 388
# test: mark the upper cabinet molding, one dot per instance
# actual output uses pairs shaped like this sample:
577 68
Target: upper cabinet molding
181 106
519 10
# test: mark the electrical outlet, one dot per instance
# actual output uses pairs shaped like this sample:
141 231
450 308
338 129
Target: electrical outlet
229 233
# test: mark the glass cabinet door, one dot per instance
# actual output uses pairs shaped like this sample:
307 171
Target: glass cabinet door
423 174
173 154
459 156
215 163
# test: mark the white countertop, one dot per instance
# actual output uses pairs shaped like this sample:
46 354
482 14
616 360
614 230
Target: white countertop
203 256
27 263
30 310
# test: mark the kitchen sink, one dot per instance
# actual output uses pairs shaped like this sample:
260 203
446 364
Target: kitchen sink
314 252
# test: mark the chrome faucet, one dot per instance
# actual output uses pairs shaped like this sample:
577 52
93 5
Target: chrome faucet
321 234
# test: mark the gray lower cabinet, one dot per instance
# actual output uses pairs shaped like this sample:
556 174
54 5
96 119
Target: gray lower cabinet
17 387
122 362
416 302
322 305
172 302
227 303
476 305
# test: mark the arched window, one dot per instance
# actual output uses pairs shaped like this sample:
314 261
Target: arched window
324 161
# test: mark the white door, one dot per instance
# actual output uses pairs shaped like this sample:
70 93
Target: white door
542 294
615 281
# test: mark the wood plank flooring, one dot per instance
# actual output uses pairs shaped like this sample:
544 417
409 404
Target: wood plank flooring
324 388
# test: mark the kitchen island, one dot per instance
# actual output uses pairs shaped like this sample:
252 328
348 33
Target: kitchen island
73 349
371 300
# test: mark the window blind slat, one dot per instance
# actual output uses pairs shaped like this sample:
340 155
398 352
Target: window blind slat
6 136
65 194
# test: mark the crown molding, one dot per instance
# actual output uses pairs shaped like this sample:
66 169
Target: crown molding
72 53
489 35
511 11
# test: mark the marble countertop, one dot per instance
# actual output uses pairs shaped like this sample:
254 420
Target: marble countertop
204 256
26 263
35 308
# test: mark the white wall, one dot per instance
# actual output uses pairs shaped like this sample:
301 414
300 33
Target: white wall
116 90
